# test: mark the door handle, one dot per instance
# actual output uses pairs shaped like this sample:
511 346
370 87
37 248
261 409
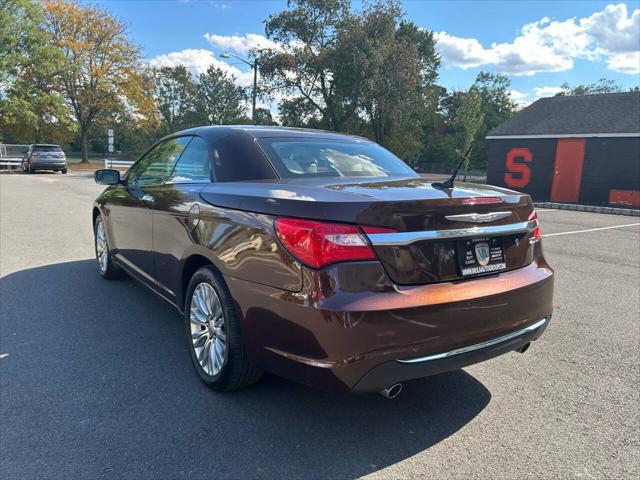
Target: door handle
146 198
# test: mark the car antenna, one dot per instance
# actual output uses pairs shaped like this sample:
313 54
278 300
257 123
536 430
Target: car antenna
449 183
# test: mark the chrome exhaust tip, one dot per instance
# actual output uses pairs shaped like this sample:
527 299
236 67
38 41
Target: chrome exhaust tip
391 392
524 348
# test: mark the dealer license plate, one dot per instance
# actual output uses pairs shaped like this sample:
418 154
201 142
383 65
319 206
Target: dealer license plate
477 256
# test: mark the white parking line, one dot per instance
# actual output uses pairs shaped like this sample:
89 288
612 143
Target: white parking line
591 229
2 355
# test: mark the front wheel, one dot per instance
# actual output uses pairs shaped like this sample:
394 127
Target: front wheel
64 170
106 267
215 341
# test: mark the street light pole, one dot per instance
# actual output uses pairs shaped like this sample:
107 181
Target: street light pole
254 93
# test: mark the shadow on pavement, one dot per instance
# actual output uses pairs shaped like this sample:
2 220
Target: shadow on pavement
98 383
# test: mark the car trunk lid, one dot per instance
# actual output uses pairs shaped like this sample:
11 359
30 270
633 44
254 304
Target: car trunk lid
433 228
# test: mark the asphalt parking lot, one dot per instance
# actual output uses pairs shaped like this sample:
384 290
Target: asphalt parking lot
96 380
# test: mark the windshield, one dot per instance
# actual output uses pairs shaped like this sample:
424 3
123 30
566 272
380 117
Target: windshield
332 158
47 149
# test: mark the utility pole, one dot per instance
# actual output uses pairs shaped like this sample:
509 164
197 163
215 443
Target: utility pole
254 93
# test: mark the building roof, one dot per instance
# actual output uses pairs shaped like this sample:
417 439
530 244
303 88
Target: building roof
610 114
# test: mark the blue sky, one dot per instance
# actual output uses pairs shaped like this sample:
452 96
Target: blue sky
538 44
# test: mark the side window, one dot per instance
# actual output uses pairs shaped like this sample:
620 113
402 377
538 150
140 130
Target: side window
237 158
194 164
156 166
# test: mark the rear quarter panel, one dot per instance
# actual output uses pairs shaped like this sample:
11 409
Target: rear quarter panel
245 247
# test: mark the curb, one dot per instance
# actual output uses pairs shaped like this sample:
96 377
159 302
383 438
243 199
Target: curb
630 212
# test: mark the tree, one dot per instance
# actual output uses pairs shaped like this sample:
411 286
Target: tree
299 112
601 86
496 106
31 110
388 67
303 64
103 66
175 93
469 120
370 72
219 100
263 117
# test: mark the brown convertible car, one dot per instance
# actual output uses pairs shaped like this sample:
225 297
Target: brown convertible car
323 258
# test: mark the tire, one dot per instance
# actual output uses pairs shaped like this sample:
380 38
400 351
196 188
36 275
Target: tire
64 170
236 369
106 268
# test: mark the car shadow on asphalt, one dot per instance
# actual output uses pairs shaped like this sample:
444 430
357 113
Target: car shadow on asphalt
98 383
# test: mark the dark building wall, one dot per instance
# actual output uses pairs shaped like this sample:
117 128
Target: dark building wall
609 164
543 153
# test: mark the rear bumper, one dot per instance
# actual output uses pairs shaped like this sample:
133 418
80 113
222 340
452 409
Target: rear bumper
49 165
349 326
400 370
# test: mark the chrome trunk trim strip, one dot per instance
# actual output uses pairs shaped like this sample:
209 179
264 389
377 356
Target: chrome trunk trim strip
407 238
477 346
478 217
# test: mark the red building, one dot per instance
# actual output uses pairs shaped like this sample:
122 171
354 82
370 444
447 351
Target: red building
571 149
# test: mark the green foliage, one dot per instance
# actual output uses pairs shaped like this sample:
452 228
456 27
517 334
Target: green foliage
387 66
219 101
601 86
176 96
103 72
304 64
469 122
464 115
496 107
368 72
299 112
264 117
69 68
30 107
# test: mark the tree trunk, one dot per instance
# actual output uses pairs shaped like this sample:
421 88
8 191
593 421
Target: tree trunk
84 150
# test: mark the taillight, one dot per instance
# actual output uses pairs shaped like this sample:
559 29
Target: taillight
536 230
318 244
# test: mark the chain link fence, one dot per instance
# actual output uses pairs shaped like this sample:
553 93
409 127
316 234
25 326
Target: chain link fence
444 170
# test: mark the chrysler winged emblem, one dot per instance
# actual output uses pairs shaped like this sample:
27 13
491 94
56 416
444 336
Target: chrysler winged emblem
478 217
482 254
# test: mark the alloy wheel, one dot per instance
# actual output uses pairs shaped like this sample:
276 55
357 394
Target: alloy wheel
208 334
101 247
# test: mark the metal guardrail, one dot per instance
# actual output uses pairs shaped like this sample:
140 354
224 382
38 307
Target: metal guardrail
111 163
11 155
10 162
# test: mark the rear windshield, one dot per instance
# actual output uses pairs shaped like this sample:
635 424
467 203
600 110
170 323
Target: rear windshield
330 158
47 149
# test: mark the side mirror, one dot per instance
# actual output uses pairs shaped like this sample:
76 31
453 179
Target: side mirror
107 177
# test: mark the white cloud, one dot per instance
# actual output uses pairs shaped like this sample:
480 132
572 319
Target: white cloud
239 43
462 52
628 62
221 6
546 91
551 46
197 60
519 98
613 30
517 94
